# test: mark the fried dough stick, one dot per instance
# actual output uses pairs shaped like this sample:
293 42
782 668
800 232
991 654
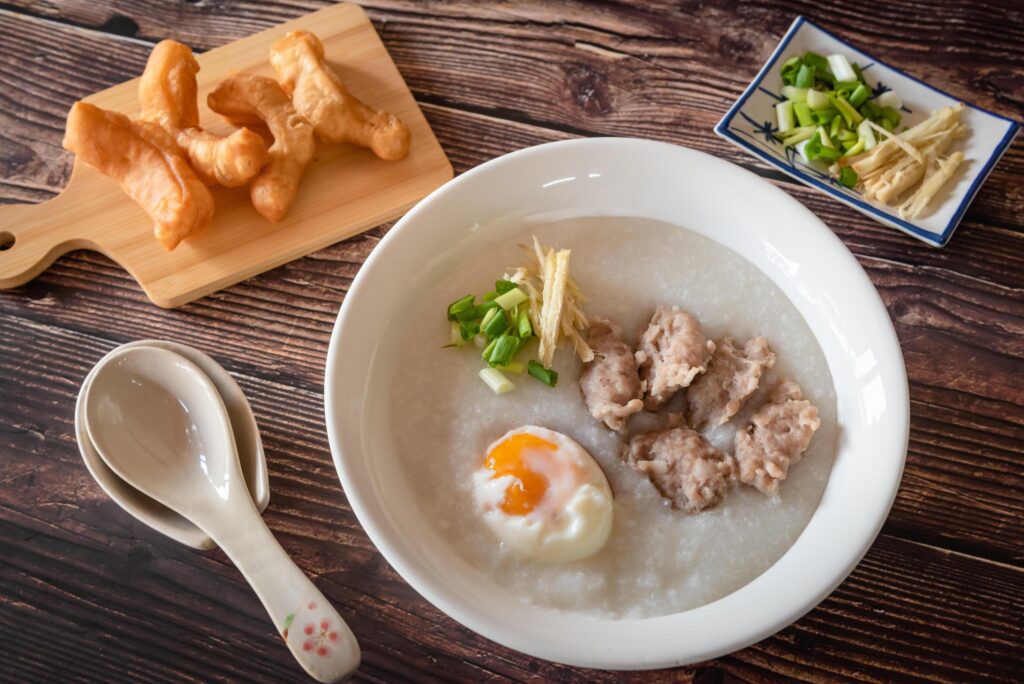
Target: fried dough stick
320 96
167 94
250 99
143 158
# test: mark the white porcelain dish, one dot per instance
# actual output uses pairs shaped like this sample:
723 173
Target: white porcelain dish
624 177
750 123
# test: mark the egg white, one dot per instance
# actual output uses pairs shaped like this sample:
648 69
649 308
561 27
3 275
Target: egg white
574 518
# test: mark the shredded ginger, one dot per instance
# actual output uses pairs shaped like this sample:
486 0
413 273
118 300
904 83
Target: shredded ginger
554 302
914 158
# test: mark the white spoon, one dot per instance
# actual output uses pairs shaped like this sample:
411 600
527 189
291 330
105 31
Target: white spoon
156 420
247 443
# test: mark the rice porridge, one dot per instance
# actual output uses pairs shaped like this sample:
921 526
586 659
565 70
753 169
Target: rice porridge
658 560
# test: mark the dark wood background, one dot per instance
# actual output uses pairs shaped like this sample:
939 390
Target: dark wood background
87 593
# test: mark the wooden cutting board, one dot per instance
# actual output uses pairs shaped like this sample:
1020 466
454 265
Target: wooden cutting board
344 191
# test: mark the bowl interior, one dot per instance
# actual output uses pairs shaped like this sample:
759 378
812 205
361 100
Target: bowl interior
621 177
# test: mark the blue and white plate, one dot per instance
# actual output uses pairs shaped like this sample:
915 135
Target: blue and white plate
750 124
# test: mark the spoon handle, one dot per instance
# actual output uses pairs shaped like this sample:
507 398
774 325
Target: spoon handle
313 630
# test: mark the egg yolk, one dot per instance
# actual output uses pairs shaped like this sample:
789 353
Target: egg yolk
523 495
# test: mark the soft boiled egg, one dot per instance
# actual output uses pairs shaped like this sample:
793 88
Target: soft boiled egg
544 496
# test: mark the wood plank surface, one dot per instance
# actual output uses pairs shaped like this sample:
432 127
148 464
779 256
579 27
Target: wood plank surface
88 594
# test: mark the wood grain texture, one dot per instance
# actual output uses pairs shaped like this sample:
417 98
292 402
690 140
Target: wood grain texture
940 595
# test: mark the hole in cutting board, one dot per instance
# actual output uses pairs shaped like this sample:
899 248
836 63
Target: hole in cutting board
6 241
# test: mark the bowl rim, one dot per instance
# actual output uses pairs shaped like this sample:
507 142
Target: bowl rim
748 632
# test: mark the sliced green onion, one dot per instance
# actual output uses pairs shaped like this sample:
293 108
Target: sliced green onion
825 139
848 177
803 113
860 95
512 367
794 94
815 60
804 76
498 383
841 69
860 74
545 375
489 296
798 135
891 114
851 115
469 330
523 326
816 149
504 349
488 317
887 125
835 127
825 115
847 135
511 298
459 306
455 337
889 99
497 324
789 70
489 349
784 115
817 99
854 149
867 135
503 286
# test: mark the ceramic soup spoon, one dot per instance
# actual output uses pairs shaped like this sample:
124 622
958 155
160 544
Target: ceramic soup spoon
247 443
159 423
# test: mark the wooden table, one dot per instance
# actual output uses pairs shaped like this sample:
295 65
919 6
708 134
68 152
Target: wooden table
87 593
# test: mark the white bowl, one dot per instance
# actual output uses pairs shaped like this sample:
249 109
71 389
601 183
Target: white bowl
623 177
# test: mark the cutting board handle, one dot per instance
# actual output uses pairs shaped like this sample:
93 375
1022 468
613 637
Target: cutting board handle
32 236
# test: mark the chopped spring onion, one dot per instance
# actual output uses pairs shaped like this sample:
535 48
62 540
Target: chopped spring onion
502 286
848 177
523 326
841 68
460 306
784 115
497 324
854 150
545 375
803 113
859 95
889 99
835 128
455 338
849 114
468 330
513 367
498 383
799 135
489 349
824 137
489 297
867 135
794 94
488 317
804 76
823 116
511 298
504 349
814 149
817 99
